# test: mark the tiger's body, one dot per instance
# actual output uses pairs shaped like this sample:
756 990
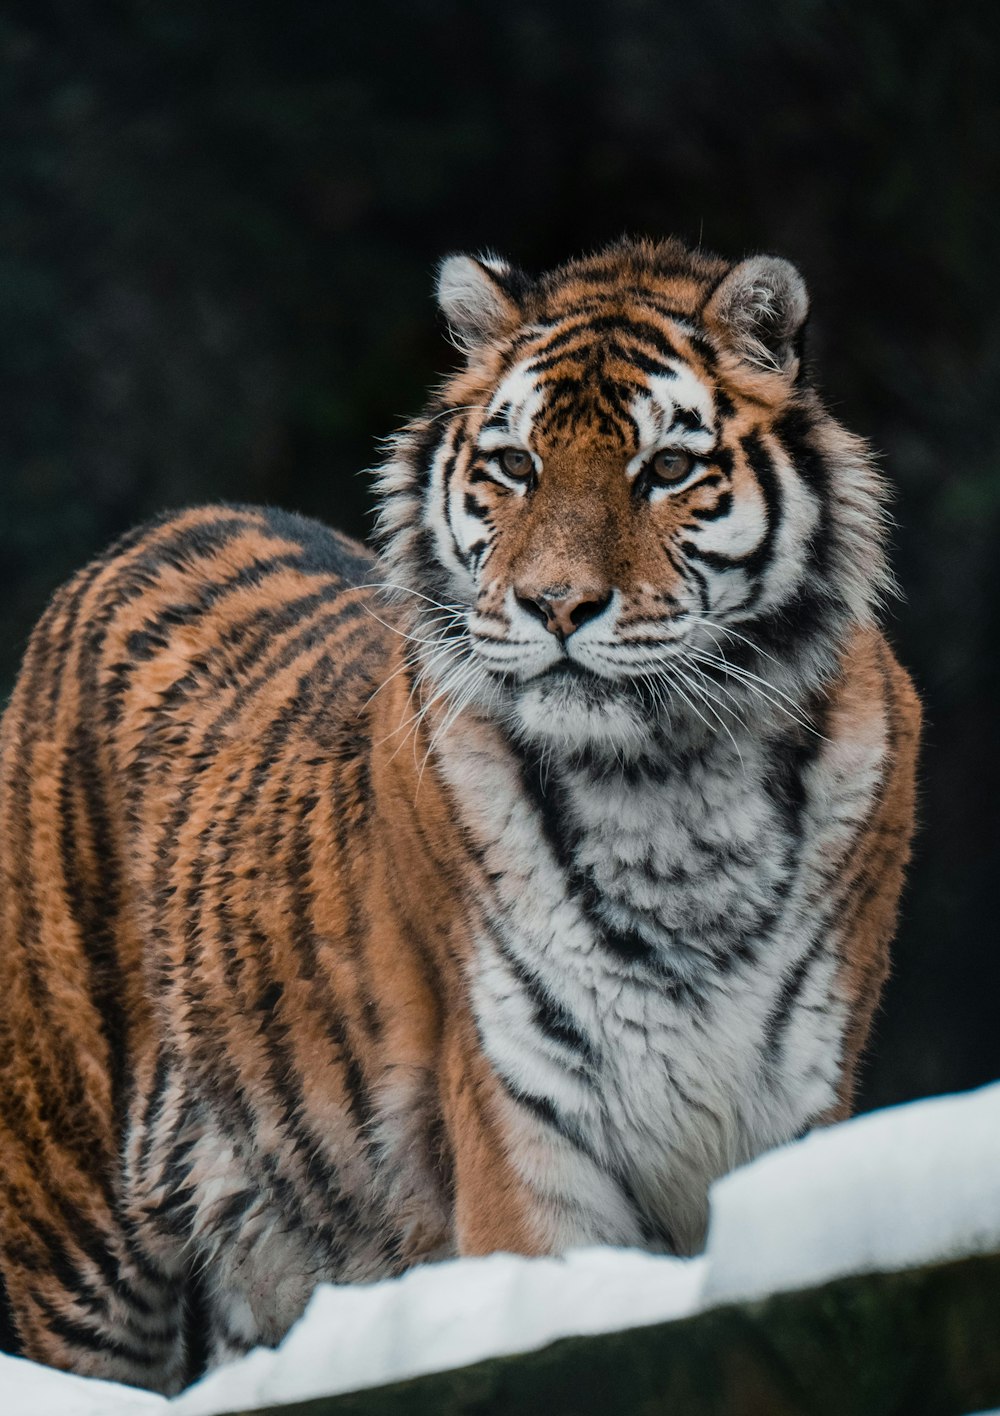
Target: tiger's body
342 931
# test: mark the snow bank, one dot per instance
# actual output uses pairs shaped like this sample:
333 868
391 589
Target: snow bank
896 1189
448 1315
430 1320
30 1390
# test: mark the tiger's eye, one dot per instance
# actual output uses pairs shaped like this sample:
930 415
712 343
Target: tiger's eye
670 465
517 463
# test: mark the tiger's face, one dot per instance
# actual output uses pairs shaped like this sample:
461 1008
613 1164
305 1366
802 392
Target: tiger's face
628 509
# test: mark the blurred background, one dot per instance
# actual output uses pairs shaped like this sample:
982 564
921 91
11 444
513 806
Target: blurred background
219 229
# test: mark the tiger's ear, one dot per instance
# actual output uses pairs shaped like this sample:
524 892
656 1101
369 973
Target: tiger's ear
477 296
759 310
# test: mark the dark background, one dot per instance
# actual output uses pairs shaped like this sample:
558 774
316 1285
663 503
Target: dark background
219 228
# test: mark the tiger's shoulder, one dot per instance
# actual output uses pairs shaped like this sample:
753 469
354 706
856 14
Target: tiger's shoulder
867 767
872 692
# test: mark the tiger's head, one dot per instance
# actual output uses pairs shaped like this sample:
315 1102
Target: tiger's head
628 510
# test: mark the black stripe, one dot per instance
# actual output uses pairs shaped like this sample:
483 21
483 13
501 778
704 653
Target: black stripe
722 507
762 466
689 419
81 1335
93 1245
283 1076
550 802
475 508
655 1230
807 618
291 649
154 1102
547 797
544 362
628 946
639 359
549 1014
778 1019
323 549
271 622
704 350
294 818
71 1111
794 430
351 812
544 1109
10 1341
613 394
197 1325
785 782
59 652
755 561
95 911
689 573
153 636
424 449
497 421
228 1215
447 487
142 572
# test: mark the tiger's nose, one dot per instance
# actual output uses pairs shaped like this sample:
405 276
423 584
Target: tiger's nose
562 613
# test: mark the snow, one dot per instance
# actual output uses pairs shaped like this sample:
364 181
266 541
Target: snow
432 1319
895 1189
892 1190
29 1390
448 1315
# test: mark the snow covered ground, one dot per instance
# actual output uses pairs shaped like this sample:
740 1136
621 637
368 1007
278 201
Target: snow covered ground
891 1190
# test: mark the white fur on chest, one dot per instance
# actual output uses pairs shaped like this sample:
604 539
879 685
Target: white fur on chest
662 1077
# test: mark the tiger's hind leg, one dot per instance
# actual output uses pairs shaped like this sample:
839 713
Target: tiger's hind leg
259 1239
84 1298
216 1219
87 1290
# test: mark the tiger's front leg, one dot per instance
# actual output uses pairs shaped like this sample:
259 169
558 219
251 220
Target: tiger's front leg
520 1185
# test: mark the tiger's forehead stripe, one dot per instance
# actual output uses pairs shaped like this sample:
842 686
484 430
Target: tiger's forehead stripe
591 369
635 341
673 291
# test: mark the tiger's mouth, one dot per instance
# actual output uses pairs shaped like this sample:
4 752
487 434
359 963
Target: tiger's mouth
566 684
569 681
565 669
573 708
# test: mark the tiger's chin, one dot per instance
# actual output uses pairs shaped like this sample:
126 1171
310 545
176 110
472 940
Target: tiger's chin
580 712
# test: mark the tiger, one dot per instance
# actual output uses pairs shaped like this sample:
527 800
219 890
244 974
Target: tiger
494 889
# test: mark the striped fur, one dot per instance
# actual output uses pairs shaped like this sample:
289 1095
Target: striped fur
498 892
